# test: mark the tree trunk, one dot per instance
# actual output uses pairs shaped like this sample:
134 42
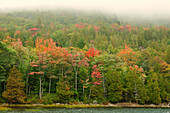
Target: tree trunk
136 93
27 84
76 81
29 90
49 85
83 90
50 80
104 89
90 92
40 88
4 86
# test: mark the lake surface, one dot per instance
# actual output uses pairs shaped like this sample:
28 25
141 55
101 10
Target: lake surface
93 110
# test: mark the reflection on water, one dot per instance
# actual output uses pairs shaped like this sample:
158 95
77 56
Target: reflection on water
93 110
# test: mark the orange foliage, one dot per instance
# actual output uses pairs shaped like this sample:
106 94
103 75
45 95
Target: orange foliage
92 52
128 56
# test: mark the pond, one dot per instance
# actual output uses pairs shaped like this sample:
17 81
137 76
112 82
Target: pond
92 110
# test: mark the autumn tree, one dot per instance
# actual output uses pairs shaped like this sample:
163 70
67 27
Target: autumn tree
128 56
39 64
14 92
76 59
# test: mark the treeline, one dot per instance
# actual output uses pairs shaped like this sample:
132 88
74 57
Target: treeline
70 57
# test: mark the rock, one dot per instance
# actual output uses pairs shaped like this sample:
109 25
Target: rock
95 102
109 104
91 104
5 104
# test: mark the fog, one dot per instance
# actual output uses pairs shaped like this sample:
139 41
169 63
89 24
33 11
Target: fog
150 11
146 7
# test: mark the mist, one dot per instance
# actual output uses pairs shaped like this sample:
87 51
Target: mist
116 6
150 11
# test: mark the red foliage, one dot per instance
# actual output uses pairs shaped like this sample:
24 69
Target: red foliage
92 52
163 27
51 24
96 28
34 34
17 32
97 75
34 65
44 66
84 62
146 28
122 28
131 67
39 73
79 25
34 29
128 55
136 68
4 29
32 73
64 29
135 28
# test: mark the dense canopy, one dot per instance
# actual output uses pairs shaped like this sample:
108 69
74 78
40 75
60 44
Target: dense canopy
69 57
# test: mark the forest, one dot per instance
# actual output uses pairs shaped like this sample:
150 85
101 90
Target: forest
75 57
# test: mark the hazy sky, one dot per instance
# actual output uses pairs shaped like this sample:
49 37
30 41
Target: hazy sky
144 6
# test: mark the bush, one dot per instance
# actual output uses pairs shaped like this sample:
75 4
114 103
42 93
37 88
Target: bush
5 109
2 100
33 99
50 98
97 94
85 100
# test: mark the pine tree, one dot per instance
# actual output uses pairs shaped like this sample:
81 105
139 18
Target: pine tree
14 92
114 86
153 88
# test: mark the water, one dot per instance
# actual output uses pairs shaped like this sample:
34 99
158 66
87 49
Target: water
93 110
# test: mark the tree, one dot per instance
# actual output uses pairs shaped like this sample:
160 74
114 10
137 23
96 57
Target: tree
14 92
63 91
7 59
40 64
153 88
114 86
77 58
128 56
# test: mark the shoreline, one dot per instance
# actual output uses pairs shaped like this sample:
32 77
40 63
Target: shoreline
34 106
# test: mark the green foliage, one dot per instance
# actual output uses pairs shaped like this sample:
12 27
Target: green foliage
167 54
55 61
50 98
33 99
97 94
8 58
153 88
14 92
80 44
63 92
114 86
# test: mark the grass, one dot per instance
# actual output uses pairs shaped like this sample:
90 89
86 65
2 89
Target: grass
5 109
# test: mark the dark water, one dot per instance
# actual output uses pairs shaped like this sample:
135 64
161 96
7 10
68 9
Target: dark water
93 110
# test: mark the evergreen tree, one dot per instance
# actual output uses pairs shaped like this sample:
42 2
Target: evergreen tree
114 86
14 92
153 88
